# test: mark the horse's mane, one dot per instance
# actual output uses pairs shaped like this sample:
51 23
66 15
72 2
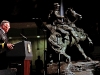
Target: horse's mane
72 15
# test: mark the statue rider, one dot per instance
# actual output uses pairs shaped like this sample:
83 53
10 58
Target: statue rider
54 16
55 19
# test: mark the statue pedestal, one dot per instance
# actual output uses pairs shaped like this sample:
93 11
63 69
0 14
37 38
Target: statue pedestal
76 68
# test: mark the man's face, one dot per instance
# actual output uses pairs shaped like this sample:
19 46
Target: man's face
6 27
56 8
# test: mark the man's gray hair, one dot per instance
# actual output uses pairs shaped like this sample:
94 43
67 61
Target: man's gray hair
4 21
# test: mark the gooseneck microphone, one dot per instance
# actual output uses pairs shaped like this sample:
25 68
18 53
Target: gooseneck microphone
23 36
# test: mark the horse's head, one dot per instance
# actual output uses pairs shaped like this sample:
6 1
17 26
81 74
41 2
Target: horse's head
70 12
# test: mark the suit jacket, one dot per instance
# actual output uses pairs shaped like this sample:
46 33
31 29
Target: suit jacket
3 48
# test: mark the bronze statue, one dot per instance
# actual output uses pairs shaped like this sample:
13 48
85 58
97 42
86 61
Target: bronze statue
66 28
60 32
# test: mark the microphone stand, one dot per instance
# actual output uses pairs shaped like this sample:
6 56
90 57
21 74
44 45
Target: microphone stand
25 38
45 55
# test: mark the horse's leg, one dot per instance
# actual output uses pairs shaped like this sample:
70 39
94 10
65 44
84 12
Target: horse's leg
82 51
66 42
68 58
90 41
62 51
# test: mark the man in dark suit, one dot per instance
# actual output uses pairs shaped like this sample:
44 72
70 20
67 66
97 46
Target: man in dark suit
4 45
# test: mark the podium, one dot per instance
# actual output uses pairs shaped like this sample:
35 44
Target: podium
20 57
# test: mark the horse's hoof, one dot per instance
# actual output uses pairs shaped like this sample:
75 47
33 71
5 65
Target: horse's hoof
88 59
67 61
91 43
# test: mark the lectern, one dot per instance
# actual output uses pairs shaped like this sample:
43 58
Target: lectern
20 57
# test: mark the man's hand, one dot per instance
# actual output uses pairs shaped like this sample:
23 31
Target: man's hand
62 16
10 46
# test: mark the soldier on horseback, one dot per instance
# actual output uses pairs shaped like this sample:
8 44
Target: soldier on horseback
56 25
55 19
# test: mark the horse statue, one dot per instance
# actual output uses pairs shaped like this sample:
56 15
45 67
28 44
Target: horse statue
61 37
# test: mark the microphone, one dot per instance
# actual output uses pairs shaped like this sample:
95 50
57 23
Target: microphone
23 36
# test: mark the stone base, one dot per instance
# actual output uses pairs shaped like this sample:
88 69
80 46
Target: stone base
77 68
